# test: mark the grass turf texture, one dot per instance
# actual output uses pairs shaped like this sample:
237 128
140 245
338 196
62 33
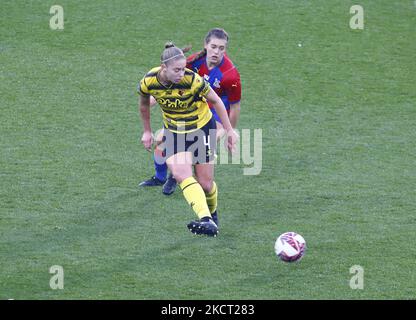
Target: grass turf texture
338 119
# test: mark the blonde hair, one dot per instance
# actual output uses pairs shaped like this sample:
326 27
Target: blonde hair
171 52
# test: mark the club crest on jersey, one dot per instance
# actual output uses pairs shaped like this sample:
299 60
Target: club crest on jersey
217 83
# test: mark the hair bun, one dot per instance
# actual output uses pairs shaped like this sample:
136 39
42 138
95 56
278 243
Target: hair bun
169 44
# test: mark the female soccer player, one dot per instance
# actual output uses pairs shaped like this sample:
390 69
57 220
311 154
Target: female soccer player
213 64
189 131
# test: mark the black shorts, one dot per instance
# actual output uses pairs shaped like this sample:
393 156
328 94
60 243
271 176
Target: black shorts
201 143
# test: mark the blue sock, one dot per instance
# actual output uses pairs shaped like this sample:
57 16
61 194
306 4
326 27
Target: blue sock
161 167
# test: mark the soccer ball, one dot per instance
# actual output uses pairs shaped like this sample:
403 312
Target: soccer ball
290 247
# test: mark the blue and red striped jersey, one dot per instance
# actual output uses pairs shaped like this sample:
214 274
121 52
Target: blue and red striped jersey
224 78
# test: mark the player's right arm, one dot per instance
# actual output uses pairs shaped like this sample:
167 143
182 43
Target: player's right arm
144 111
144 108
153 101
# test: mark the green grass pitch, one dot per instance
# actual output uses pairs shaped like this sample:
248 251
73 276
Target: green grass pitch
337 109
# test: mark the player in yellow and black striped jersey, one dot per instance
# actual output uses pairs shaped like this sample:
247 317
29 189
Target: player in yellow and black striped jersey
189 131
183 104
216 68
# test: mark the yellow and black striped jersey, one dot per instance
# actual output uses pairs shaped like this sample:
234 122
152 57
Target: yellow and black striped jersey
183 104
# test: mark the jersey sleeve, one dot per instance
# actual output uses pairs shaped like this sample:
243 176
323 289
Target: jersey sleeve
142 88
233 87
200 86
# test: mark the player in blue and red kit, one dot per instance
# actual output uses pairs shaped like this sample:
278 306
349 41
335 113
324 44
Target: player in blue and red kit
216 67
213 64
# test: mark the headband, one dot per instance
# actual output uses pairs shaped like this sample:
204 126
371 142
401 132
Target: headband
178 55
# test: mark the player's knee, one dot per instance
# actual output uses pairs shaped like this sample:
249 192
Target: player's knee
206 184
181 174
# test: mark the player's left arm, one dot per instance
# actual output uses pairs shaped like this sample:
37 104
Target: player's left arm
202 88
234 114
219 107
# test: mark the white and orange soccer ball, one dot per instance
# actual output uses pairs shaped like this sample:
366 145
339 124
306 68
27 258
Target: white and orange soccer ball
290 247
